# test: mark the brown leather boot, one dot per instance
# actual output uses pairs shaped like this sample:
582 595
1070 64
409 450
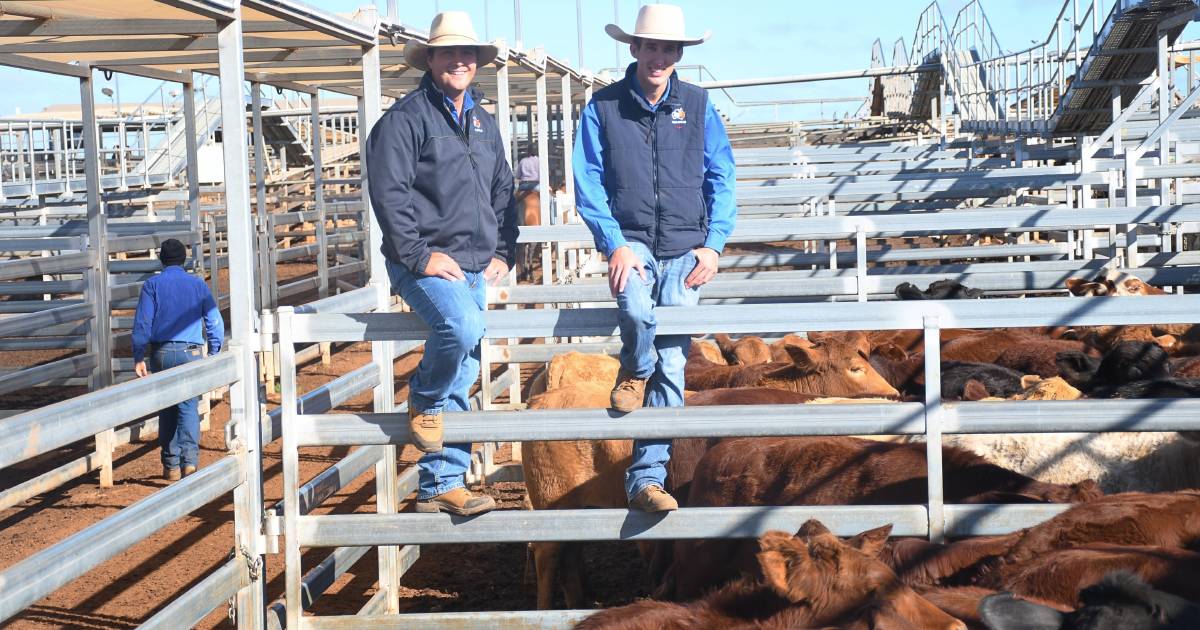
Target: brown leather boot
458 501
654 499
629 392
171 474
189 471
426 430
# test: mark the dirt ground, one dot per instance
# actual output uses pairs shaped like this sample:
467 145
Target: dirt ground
126 590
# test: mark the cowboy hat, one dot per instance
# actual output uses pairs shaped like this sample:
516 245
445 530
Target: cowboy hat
449 28
657 21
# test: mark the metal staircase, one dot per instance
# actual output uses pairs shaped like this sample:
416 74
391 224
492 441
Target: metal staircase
1067 85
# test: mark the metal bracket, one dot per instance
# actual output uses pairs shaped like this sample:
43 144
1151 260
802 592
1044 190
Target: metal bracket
272 529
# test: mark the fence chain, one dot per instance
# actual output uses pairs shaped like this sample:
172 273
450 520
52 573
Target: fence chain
231 611
253 564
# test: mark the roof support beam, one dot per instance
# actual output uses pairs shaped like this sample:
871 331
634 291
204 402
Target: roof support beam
215 9
149 73
327 23
90 27
164 44
53 67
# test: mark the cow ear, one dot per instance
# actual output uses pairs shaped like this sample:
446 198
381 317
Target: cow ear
974 390
1029 380
812 527
891 352
1081 287
871 542
908 291
1075 367
861 344
1003 611
807 359
777 553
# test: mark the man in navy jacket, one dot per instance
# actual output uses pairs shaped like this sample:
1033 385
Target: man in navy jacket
654 181
441 190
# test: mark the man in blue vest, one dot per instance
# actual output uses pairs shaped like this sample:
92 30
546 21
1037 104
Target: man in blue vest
176 316
654 182
441 190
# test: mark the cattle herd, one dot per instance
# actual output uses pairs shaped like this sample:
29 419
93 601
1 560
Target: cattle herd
1112 560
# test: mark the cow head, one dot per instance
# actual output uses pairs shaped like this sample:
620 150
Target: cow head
841 366
837 581
1112 283
1118 602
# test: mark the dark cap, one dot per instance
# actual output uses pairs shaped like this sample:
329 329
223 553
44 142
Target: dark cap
172 252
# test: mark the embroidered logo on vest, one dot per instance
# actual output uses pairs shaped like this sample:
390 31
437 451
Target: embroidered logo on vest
678 117
476 124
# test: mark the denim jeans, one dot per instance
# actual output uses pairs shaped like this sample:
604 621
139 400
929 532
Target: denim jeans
450 364
179 424
660 358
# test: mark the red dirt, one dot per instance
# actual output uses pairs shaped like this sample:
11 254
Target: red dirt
129 588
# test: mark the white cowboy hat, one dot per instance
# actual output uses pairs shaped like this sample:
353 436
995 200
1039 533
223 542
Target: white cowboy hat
449 28
657 21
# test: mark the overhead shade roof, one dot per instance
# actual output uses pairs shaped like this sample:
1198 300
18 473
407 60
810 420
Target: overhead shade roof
286 43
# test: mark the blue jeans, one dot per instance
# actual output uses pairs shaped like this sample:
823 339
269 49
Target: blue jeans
660 358
450 364
179 424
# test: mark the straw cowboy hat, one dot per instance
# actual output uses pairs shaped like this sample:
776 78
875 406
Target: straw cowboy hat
449 28
657 21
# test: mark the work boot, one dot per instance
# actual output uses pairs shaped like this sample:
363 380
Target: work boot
426 430
189 470
629 392
458 501
171 474
654 499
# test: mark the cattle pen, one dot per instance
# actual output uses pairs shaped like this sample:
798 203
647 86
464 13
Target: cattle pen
1009 172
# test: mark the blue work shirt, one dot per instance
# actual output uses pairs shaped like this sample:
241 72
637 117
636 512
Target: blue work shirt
591 199
468 103
173 306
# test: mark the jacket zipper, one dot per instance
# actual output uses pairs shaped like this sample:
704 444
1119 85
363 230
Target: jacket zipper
461 133
654 178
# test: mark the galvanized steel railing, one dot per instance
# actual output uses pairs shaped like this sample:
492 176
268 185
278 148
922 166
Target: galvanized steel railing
932 419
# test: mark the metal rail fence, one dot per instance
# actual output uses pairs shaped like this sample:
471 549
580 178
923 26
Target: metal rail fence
933 418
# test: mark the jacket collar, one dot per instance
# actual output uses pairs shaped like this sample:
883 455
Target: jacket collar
438 98
671 98
436 95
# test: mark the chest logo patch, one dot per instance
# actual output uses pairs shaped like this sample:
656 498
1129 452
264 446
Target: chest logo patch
678 117
475 123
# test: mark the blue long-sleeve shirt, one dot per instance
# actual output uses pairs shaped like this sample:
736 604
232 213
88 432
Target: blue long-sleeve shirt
591 199
176 306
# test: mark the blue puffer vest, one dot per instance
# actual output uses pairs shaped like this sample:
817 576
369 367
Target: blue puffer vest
654 164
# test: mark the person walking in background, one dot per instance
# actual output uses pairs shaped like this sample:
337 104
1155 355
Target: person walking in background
654 182
441 189
176 317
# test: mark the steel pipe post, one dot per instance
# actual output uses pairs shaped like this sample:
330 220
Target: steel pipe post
264 292
566 125
382 354
99 337
315 139
192 164
543 150
243 395
933 427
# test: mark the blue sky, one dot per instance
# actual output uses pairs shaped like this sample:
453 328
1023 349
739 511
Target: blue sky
751 38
